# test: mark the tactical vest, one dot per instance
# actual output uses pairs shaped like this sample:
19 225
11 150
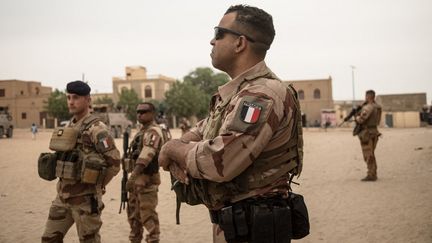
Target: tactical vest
375 117
135 148
74 160
290 161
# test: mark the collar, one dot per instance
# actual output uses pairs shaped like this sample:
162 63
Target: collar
259 70
74 123
147 125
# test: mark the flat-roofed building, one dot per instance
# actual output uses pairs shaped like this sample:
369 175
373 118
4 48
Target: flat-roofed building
25 100
147 87
315 96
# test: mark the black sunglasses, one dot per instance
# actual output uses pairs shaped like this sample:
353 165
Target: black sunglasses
142 111
220 32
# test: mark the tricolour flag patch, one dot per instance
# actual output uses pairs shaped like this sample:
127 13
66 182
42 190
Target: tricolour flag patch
250 112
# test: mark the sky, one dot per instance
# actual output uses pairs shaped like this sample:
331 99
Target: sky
389 42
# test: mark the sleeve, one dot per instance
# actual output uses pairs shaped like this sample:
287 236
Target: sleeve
365 112
105 145
246 130
152 142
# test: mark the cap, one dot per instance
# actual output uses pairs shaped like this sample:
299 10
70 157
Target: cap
78 87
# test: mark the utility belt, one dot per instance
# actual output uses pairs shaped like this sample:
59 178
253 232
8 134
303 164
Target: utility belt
264 220
72 165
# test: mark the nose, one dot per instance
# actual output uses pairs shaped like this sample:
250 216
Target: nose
212 41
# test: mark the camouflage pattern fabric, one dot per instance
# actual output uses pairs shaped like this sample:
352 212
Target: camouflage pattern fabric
369 118
73 202
143 200
250 140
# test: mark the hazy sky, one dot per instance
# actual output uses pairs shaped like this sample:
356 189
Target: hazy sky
55 41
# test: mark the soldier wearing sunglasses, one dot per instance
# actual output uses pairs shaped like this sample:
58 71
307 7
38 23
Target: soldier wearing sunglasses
241 158
143 183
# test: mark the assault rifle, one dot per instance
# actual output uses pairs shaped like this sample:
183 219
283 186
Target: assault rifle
124 193
354 112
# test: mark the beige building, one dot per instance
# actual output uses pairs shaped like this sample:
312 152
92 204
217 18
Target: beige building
315 97
147 87
25 101
398 110
401 110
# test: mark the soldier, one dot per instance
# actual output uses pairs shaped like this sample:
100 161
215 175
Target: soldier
145 178
241 157
184 125
368 119
83 171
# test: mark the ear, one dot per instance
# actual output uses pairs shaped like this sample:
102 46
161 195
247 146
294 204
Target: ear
241 44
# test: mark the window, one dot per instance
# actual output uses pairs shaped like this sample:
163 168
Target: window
23 115
22 92
2 92
317 94
148 92
301 95
37 90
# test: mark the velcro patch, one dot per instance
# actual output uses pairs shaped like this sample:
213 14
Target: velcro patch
250 112
104 142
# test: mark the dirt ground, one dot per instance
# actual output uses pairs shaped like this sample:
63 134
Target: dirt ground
396 208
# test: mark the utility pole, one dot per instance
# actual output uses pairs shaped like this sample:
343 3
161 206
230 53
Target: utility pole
352 74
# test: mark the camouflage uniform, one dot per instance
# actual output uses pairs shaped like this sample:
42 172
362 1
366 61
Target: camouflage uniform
78 202
251 141
143 200
369 118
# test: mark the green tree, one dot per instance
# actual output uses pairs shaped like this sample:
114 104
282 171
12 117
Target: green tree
184 99
128 100
104 100
206 79
56 106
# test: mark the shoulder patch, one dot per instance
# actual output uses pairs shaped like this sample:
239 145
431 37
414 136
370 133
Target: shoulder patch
104 142
250 112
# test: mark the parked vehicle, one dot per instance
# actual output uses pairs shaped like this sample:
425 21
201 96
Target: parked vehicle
117 121
6 127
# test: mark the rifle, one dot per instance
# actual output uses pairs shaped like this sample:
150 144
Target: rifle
124 193
354 112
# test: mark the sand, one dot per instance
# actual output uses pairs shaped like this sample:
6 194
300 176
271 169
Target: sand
396 208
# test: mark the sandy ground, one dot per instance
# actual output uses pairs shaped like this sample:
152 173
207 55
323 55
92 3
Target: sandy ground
396 208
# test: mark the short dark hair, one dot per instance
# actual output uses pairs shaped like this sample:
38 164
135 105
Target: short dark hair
152 106
255 22
370 92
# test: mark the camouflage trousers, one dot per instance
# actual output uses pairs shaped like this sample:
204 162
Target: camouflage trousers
142 213
84 211
368 150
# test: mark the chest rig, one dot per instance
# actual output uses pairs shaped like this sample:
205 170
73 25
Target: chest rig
77 160
134 151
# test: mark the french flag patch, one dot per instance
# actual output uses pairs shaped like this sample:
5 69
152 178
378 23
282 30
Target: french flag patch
250 112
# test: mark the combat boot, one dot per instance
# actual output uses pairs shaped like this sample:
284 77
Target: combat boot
369 178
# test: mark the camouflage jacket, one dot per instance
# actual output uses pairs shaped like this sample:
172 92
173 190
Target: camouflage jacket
96 138
369 117
151 140
254 119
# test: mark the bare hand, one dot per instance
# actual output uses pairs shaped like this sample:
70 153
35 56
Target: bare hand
179 174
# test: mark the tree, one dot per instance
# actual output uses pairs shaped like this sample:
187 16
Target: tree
206 79
104 100
184 99
56 106
128 101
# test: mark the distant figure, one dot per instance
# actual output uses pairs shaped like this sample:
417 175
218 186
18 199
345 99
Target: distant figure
368 119
33 130
327 123
184 125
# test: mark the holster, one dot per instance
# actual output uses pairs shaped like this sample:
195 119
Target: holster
263 220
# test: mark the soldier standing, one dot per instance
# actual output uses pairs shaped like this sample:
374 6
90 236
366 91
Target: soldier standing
145 178
83 171
368 119
244 153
